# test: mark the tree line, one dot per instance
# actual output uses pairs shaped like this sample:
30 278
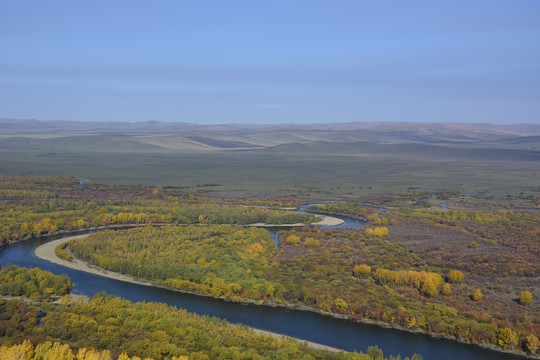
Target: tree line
342 274
106 327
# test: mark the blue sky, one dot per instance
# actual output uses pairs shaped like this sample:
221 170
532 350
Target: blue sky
271 61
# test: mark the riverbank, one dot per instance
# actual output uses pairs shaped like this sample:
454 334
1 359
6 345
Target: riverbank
312 345
331 214
46 252
325 221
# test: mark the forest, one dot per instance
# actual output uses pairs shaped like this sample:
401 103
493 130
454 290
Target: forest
34 284
362 275
61 204
220 261
464 274
105 327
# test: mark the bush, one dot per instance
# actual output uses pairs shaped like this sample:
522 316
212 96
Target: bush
525 298
447 289
455 276
312 242
362 270
293 239
477 295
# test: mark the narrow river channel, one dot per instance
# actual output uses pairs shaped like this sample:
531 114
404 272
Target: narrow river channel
327 330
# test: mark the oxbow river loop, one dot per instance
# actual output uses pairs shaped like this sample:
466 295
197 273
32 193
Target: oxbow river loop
311 326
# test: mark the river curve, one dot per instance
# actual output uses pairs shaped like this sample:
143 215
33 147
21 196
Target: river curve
323 329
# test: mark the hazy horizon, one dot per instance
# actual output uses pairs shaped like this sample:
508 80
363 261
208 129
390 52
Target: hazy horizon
242 62
338 124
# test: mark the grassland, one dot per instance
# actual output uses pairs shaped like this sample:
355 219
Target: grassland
272 172
310 164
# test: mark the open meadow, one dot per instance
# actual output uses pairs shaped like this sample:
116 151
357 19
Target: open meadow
319 164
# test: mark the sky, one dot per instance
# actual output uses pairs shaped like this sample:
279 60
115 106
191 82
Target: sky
300 61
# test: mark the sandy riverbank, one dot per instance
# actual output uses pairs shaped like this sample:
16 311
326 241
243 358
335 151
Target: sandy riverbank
310 344
325 221
46 252
328 221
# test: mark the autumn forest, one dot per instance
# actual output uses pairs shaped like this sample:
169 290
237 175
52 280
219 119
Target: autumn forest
467 275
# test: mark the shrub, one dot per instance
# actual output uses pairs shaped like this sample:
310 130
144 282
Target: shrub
455 276
447 289
525 298
293 239
477 295
312 242
362 270
532 343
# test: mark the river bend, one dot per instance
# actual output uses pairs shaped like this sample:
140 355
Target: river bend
323 329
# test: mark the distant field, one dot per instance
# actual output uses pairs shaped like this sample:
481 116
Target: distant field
322 175
322 162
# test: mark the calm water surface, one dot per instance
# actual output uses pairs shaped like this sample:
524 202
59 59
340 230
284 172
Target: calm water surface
339 333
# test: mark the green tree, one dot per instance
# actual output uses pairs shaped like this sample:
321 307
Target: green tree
341 305
375 353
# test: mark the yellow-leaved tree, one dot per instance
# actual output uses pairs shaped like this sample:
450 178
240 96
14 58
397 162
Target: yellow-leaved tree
362 270
532 343
525 298
455 276
293 239
447 289
477 295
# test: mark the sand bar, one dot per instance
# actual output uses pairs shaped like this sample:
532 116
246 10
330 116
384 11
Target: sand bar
328 221
312 345
325 221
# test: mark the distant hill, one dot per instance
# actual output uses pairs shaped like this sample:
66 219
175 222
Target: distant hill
407 150
31 126
459 140
428 132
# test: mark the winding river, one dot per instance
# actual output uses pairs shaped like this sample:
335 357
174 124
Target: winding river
323 329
